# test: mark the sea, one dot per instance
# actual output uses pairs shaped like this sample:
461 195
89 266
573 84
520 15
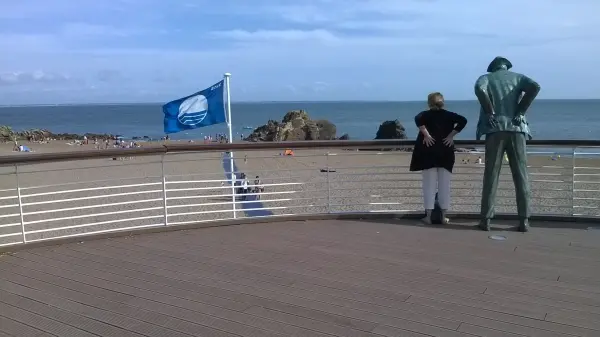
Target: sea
548 119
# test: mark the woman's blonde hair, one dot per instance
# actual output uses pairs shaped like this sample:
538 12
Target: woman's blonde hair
435 101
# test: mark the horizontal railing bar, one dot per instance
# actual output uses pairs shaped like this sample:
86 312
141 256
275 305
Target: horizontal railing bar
369 204
89 189
454 203
230 195
89 198
93 224
9 190
586 168
11 244
586 182
196 174
94 214
229 187
262 179
89 182
228 147
454 180
8 206
10 225
406 167
86 167
243 202
9 197
96 232
246 210
578 190
92 206
256 216
243 171
177 223
196 181
9 235
455 173
9 215
453 196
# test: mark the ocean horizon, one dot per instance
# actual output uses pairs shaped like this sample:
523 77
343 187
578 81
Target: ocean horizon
548 118
276 101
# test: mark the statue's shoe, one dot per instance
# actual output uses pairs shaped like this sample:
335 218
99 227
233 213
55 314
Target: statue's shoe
485 225
524 225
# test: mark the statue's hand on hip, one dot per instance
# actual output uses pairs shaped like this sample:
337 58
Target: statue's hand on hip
492 120
518 120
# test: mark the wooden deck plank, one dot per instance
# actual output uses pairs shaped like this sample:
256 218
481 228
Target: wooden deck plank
39 322
14 328
121 315
301 296
316 278
575 296
77 321
177 306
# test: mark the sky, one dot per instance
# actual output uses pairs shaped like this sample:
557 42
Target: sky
85 51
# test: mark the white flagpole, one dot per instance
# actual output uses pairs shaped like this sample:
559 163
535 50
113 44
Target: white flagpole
229 128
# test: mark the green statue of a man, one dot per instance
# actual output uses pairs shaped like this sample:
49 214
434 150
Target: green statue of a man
505 97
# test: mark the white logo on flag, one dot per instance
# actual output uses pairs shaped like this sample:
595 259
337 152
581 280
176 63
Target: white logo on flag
193 110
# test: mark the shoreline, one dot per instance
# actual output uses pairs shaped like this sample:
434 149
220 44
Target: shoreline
54 146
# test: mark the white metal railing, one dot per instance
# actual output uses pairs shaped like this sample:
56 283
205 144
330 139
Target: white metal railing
40 202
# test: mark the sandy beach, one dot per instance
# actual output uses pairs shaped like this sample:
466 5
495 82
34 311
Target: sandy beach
115 194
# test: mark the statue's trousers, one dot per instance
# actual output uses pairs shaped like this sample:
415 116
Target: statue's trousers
514 144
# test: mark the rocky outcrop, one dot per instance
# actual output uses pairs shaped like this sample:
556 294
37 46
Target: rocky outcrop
296 125
8 134
391 130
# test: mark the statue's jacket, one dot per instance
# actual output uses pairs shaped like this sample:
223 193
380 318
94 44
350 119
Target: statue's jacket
503 90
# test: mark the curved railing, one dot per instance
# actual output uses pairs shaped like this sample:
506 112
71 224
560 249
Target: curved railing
67 195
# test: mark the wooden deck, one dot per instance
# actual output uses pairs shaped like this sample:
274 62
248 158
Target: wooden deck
313 278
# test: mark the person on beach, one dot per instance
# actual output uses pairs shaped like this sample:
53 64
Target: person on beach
434 152
258 188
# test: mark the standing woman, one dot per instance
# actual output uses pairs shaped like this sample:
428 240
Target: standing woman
434 152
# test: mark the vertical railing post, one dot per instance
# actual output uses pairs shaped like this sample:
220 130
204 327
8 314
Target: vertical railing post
20 204
573 167
328 183
164 189
233 179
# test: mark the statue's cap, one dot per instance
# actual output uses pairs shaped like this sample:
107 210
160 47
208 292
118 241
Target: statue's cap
497 63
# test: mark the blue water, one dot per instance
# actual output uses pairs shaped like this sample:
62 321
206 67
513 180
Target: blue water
549 119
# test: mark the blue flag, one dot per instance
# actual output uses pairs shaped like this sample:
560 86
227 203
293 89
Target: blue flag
201 109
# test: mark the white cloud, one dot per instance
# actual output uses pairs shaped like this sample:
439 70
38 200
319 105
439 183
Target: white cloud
37 76
388 49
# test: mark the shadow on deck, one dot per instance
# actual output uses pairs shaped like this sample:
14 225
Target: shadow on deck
314 278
